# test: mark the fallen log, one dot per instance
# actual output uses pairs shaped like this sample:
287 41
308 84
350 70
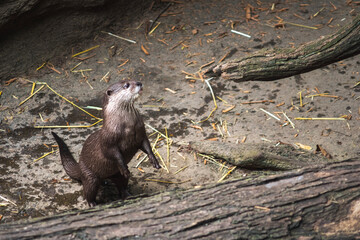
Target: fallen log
322 201
280 63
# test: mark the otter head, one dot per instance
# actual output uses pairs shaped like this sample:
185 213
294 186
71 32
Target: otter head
121 95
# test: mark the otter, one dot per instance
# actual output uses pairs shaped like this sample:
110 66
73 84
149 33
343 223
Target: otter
107 152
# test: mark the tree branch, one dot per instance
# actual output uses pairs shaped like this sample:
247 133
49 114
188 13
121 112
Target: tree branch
279 63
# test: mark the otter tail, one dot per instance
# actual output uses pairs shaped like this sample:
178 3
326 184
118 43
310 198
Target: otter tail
70 165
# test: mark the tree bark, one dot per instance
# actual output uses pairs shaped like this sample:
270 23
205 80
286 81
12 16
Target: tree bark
318 202
280 63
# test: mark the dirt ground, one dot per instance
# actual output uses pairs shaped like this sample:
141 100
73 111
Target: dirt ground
190 35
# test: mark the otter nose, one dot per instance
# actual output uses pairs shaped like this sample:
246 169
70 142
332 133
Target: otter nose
139 84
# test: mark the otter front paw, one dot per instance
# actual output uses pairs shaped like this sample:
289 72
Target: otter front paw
155 162
157 165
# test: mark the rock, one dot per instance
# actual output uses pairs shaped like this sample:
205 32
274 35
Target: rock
35 31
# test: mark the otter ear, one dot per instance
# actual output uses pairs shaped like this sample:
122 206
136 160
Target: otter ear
108 92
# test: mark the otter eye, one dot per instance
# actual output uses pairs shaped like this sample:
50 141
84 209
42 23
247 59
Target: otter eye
108 92
126 85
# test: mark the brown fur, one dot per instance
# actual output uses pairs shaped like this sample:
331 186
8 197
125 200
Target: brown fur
107 152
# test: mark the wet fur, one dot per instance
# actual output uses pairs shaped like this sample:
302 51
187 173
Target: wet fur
107 152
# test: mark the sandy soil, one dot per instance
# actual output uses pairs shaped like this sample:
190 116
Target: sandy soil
190 35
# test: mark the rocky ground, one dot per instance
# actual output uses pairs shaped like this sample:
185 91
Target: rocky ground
189 35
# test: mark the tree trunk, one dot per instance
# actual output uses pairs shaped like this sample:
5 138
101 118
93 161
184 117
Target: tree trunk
321 201
279 63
